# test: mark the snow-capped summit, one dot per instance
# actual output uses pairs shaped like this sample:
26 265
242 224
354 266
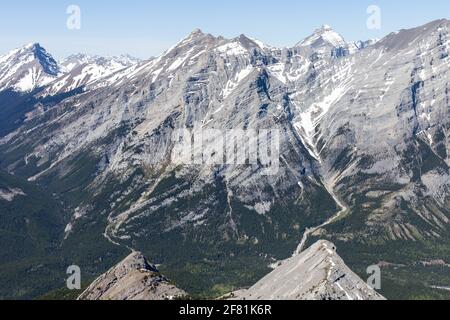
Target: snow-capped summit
27 68
324 36
82 69
126 59
328 43
76 60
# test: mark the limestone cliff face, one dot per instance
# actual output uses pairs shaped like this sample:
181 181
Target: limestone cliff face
316 274
132 279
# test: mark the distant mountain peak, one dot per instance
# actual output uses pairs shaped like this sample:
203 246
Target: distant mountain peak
196 37
326 27
324 35
32 45
27 68
197 32
46 60
82 69
249 42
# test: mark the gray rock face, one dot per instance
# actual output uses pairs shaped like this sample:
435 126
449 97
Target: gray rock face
372 123
316 274
380 131
132 279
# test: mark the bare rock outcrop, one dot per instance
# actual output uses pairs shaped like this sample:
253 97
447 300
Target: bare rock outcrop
132 279
318 273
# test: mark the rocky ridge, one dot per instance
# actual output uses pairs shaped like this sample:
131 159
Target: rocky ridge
134 278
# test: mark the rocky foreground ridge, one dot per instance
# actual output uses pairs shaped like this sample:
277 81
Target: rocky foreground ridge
132 279
316 274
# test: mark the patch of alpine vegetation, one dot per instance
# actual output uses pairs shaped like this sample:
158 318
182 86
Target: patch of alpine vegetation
363 132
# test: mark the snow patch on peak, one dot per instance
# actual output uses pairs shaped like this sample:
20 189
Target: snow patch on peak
114 62
234 48
82 70
324 35
32 45
239 77
261 44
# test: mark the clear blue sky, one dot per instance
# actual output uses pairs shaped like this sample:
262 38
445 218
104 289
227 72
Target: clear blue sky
145 28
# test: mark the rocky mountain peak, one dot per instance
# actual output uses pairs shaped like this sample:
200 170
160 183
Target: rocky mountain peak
46 60
132 279
35 51
325 28
83 69
32 46
196 35
248 42
194 39
316 274
323 36
26 68
196 32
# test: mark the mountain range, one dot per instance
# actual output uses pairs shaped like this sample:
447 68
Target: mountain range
363 160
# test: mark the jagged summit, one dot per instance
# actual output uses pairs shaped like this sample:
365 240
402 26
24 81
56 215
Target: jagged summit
194 38
36 50
249 42
83 69
27 68
46 60
197 32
